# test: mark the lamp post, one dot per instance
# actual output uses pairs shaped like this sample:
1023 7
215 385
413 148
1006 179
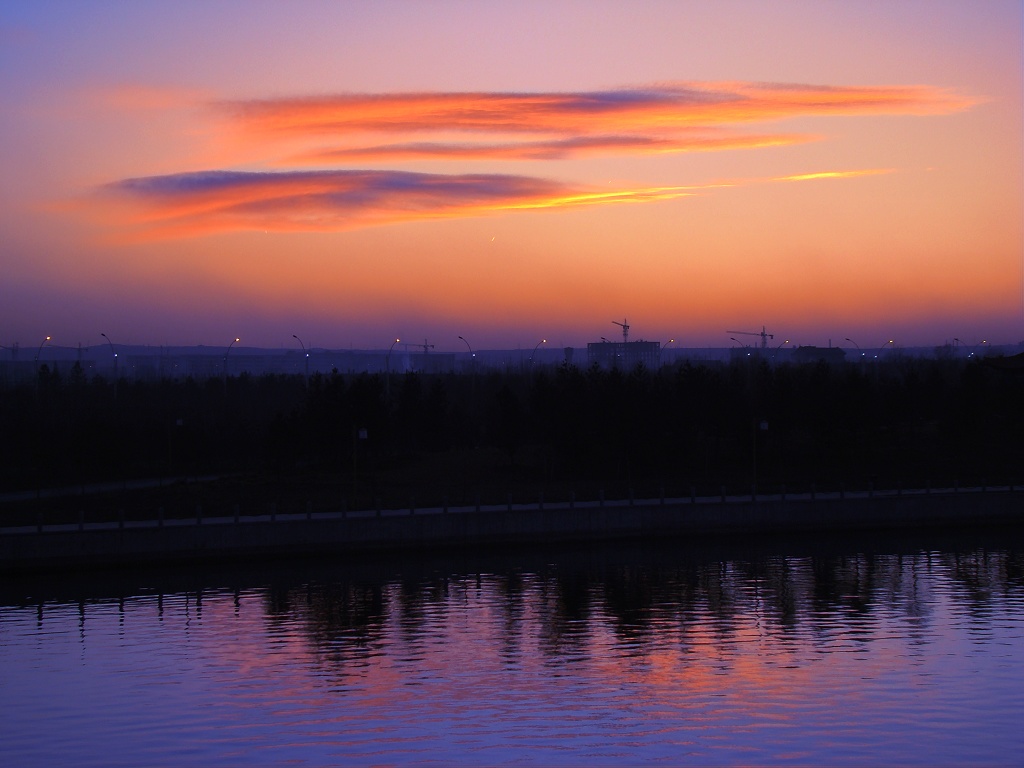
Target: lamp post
472 354
114 353
472 367
38 370
304 352
863 360
40 350
226 353
740 344
971 348
387 365
542 341
663 348
888 343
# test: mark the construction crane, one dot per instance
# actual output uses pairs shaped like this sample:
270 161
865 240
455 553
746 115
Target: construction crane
763 334
625 329
425 346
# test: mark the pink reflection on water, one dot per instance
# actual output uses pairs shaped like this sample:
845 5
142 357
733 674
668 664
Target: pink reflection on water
787 661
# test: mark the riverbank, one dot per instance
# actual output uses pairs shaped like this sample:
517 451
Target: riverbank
115 544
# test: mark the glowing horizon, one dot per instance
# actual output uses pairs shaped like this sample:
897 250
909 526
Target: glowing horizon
377 182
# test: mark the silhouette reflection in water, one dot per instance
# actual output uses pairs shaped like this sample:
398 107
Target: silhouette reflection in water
800 653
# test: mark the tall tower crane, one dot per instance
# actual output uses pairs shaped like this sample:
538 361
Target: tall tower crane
763 334
425 346
625 329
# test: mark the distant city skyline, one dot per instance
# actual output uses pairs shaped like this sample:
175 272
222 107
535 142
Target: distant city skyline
106 352
462 345
349 174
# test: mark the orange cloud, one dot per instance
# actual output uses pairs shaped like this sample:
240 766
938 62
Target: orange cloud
639 119
557 149
189 204
676 117
835 174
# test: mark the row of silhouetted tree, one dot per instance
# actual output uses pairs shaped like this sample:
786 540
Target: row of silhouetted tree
911 421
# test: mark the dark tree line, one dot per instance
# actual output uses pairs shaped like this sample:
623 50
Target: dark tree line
912 421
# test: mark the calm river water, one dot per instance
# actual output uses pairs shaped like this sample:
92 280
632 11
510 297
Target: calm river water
905 651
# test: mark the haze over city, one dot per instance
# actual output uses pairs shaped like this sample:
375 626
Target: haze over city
350 174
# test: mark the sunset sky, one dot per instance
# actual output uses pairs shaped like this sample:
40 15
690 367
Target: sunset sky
188 173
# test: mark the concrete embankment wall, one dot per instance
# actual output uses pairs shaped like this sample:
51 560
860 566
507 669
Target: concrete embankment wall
167 541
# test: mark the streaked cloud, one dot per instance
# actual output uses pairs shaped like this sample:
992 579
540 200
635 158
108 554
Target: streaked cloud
556 149
189 204
193 204
665 118
390 129
674 105
835 174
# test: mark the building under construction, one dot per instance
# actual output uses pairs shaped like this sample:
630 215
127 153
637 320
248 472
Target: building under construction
624 355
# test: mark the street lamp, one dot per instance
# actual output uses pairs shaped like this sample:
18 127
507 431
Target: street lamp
304 352
855 344
472 354
971 347
740 343
542 341
890 341
472 367
226 353
40 350
111 352
387 364
960 343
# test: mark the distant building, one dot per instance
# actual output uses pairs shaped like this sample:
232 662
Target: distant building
624 355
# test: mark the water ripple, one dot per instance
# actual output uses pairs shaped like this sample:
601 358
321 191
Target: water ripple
795 660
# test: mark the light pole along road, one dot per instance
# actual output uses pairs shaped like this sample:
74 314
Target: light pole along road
112 352
305 352
387 366
226 353
542 341
472 354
